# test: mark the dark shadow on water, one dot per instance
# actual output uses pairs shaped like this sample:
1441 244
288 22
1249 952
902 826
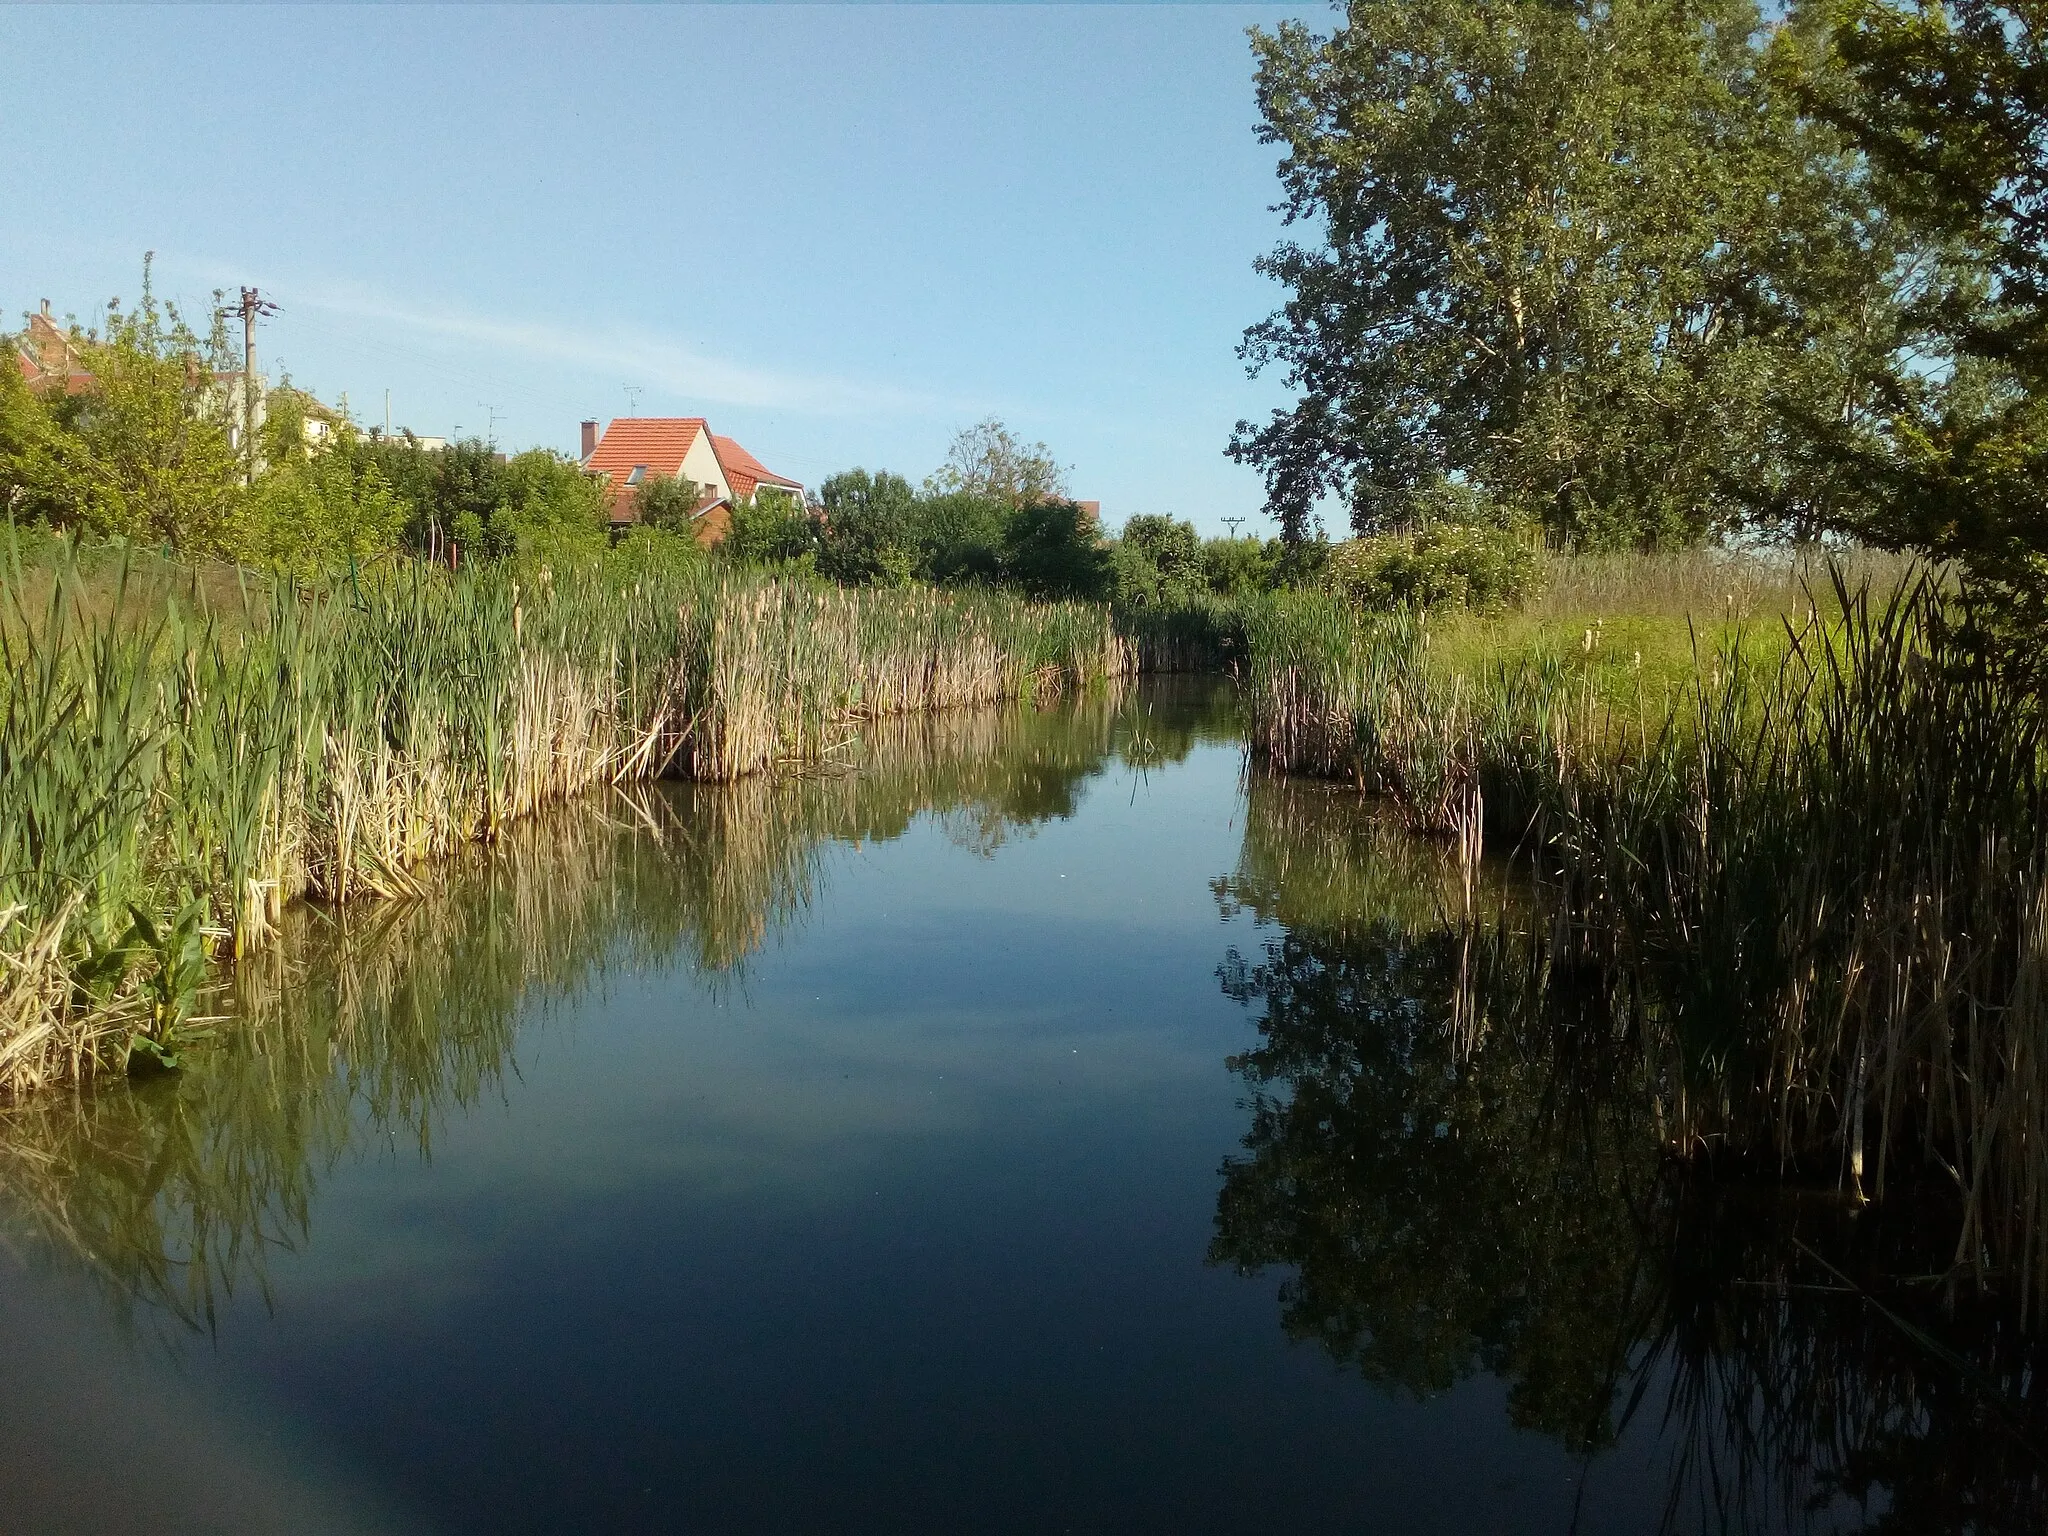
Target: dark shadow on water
1456 1162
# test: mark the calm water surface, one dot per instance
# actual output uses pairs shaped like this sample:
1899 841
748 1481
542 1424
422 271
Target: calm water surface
1028 1125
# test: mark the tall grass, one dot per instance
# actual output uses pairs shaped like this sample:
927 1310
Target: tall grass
1199 634
169 782
1819 870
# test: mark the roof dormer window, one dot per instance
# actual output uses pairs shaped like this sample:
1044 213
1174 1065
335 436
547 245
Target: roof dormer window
639 473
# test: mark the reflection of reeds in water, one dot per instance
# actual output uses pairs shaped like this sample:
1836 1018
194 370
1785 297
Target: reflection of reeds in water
1315 854
1826 877
367 1022
1453 1156
357 1024
193 775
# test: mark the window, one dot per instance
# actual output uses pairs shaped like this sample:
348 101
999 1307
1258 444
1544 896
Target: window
639 474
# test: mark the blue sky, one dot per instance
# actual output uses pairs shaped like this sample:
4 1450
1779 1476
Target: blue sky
842 233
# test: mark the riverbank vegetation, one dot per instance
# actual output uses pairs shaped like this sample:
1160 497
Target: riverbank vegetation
1744 300
1810 875
169 780
372 1023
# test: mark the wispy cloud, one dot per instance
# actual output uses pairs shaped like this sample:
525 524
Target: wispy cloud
594 349
664 365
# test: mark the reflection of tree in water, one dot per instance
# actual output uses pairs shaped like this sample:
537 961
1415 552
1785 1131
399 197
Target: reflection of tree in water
365 1026
1454 1150
1429 1238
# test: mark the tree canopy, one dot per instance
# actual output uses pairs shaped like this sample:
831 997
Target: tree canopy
1948 103
1594 258
988 460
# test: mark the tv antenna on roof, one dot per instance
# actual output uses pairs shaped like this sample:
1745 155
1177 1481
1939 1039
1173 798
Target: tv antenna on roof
632 398
1232 524
492 430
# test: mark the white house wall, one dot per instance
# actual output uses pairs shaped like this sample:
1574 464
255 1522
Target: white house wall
701 464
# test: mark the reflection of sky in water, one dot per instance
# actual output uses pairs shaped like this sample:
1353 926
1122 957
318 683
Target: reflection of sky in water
905 1229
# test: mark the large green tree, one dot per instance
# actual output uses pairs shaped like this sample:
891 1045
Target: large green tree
1949 104
142 453
1591 257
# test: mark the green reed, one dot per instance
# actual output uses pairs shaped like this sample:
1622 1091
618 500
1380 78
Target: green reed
1821 869
189 770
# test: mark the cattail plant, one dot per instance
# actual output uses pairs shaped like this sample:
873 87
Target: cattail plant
329 742
1822 881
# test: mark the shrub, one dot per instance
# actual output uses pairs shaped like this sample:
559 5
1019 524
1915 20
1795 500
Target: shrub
865 535
1464 564
666 501
773 529
1173 551
1241 567
1050 551
313 513
959 538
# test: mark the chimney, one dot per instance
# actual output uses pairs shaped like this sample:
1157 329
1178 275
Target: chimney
46 309
589 439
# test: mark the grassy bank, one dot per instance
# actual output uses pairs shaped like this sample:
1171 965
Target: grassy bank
1807 870
173 771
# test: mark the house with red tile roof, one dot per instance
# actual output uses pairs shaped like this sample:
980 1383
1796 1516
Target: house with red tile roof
635 449
47 359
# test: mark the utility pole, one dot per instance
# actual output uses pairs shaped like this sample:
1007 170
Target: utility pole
1232 524
387 413
252 308
491 430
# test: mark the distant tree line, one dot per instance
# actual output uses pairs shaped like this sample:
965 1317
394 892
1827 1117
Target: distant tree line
997 513
149 452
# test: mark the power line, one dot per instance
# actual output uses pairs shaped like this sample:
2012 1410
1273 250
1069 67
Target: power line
252 308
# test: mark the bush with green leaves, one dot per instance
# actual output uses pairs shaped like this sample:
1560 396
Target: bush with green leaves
666 501
313 513
535 505
958 537
144 454
1476 565
867 534
1237 568
1135 577
773 529
547 509
1159 560
1051 551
